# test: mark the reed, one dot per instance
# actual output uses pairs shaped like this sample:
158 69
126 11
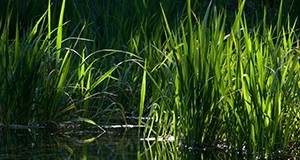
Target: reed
236 87
259 100
39 71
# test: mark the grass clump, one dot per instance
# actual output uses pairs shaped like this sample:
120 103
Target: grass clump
236 87
45 77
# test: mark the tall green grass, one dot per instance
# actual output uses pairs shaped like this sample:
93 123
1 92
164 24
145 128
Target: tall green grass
265 86
21 60
237 87
47 77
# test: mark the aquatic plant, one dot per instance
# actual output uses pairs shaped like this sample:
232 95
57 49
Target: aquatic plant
238 87
44 77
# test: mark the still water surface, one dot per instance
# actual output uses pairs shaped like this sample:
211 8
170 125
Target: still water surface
119 144
41 144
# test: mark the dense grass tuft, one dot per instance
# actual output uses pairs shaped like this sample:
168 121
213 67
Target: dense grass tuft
236 87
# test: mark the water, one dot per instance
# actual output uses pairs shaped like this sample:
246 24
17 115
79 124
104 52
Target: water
41 144
115 143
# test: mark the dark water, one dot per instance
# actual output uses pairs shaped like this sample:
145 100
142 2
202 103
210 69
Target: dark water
42 144
119 144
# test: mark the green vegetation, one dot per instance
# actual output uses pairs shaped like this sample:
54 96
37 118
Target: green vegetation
240 87
210 74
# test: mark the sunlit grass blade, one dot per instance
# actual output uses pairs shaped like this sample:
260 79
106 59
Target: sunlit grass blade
60 32
143 95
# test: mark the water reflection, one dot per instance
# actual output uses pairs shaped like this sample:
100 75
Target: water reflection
119 144
167 150
40 144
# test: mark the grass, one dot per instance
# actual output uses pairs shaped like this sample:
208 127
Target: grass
235 88
40 82
224 76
